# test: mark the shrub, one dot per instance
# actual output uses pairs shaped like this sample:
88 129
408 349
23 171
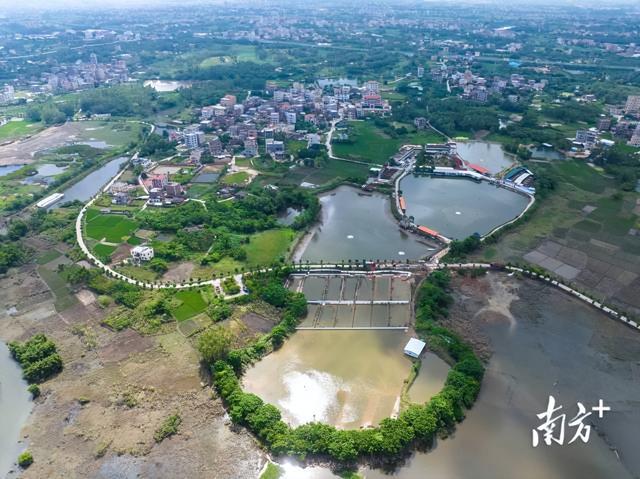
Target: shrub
25 459
169 427
34 390
38 358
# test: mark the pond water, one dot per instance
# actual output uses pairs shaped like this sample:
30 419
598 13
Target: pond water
166 85
457 207
546 154
287 218
206 178
484 153
430 379
553 344
45 173
91 184
99 144
15 407
312 379
6 169
359 226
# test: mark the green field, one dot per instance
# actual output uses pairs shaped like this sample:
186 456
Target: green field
372 145
104 250
238 178
57 284
114 133
268 246
332 171
191 303
216 60
113 228
16 129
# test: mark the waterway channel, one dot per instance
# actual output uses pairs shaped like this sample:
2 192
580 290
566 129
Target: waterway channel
91 184
15 407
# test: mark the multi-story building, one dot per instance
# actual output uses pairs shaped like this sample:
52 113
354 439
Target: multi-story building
635 138
250 147
228 101
633 105
420 71
193 139
604 123
372 87
215 147
587 138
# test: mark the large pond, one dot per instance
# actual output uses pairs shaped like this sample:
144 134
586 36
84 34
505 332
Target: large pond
344 378
360 226
545 343
457 207
91 184
483 153
15 406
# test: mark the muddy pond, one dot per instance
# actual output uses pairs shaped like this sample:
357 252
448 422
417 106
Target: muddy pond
544 343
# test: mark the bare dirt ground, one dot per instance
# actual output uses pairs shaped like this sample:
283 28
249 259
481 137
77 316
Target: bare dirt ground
97 418
180 272
20 152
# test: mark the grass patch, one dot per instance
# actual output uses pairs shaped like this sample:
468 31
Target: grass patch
134 241
272 471
268 246
104 250
56 283
370 144
48 256
239 178
113 228
191 304
16 129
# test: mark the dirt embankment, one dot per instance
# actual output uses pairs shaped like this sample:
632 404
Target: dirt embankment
98 417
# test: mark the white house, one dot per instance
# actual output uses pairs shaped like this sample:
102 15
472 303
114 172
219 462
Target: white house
414 348
142 253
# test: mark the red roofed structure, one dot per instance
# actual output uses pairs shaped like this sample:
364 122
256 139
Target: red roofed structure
428 232
480 169
403 204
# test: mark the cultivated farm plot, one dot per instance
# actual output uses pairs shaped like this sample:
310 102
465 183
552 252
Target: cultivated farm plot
111 228
192 303
583 234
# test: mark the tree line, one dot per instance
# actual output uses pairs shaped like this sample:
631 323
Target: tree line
417 426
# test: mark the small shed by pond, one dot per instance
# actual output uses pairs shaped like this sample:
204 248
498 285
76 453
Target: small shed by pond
414 348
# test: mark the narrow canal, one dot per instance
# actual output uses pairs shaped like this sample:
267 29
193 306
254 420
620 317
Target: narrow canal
15 407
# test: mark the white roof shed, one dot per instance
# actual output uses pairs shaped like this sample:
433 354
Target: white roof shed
414 347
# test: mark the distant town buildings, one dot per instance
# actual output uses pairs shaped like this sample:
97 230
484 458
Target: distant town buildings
632 107
7 94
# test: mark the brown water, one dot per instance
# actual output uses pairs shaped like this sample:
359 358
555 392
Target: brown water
345 378
554 345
